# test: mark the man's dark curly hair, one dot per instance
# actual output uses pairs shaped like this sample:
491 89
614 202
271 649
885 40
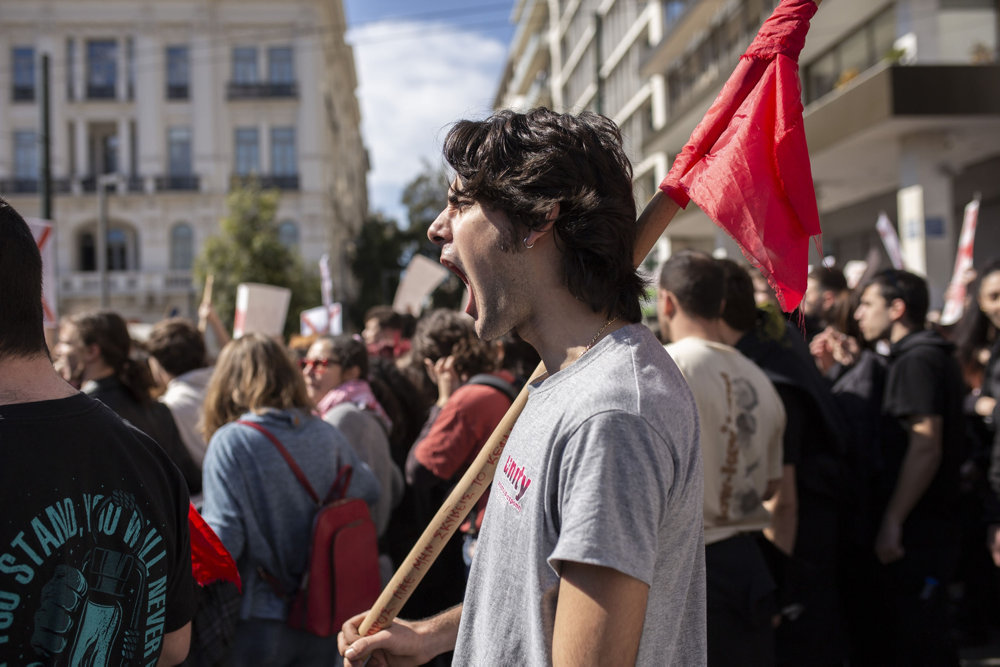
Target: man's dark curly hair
523 164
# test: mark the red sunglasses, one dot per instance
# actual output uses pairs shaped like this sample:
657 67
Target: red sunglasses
309 364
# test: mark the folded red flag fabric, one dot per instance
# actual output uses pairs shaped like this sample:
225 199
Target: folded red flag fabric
210 561
746 164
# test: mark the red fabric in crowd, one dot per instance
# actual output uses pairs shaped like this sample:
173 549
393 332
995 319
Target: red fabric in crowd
746 164
210 561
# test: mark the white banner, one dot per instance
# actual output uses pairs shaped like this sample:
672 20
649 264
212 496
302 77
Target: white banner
890 240
421 278
913 229
261 309
322 320
955 296
44 233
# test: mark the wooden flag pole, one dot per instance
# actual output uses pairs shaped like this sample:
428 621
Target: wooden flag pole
654 219
206 300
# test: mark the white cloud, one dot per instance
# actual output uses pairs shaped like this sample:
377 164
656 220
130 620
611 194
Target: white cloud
414 80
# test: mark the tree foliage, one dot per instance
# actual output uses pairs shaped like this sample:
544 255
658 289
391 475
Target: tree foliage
248 250
425 197
376 262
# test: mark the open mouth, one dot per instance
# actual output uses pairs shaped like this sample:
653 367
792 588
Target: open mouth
470 309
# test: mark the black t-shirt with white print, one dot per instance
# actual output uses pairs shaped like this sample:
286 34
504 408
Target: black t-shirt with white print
95 564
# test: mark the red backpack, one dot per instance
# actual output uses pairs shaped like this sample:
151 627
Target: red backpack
341 578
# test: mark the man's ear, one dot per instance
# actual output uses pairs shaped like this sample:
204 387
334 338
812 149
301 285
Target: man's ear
666 302
91 352
897 310
550 219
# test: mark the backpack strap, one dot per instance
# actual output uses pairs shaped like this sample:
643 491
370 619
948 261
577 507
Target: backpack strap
497 383
296 470
337 490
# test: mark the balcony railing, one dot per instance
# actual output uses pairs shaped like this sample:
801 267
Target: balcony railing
88 283
188 182
177 91
251 91
135 184
281 182
23 94
89 184
24 186
100 92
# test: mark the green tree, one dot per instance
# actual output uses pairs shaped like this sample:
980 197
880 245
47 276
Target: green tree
424 198
376 262
249 251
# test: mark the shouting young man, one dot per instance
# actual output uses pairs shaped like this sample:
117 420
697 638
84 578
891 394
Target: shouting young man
592 546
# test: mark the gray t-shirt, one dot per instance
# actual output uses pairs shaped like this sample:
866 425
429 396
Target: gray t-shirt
603 467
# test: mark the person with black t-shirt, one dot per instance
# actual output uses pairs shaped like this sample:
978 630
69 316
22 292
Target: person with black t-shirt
95 557
922 446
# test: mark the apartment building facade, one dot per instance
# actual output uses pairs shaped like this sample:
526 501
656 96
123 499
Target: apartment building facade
902 109
167 106
587 54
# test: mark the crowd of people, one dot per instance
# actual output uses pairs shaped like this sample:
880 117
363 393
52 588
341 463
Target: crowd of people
823 488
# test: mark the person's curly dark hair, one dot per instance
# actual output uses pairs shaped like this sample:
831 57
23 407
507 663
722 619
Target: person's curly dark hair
444 333
524 164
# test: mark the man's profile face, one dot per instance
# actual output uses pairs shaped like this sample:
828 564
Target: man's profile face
872 315
812 300
68 354
372 331
475 243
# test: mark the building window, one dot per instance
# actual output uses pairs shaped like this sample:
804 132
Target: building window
860 50
247 151
245 65
280 68
70 68
178 72
181 247
23 62
288 235
179 151
129 68
283 151
120 251
102 69
25 155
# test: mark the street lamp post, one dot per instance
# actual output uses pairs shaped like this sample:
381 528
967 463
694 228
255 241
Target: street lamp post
103 181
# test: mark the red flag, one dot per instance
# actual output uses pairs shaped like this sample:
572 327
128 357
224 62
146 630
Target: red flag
209 559
746 164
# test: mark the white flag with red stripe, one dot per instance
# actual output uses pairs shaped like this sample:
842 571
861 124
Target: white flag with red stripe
44 233
890 239
955 303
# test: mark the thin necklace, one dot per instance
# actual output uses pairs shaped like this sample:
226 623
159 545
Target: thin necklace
600 331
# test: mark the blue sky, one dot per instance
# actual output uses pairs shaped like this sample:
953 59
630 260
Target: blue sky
421 66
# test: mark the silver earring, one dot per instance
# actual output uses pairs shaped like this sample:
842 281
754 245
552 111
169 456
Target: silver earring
526 244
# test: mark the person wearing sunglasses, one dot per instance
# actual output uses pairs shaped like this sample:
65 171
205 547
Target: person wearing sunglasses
335 370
